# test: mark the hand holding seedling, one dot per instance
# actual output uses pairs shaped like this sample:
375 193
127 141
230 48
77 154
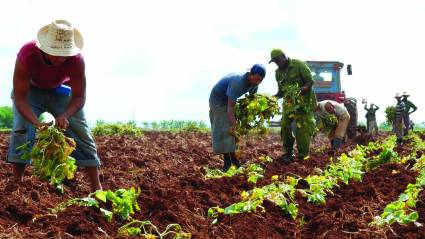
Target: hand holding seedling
61 122
39 125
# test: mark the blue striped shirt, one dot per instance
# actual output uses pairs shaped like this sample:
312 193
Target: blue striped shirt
399 110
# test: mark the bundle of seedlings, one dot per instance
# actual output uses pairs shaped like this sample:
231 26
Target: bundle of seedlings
50 156
253 112
327 122
293 102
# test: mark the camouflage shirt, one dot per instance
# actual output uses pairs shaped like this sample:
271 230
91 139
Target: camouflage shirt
297 72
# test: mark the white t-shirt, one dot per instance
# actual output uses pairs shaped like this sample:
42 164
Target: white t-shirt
340 109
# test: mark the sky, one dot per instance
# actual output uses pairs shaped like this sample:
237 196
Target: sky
158 60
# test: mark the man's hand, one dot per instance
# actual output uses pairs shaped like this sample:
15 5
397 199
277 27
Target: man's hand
39 125
233 132
304 89
61 122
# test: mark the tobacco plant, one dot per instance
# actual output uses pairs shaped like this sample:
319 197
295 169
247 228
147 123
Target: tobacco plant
280 193
51 156
253 111
123 202
254 171
148 230
402 210
293 102
327 122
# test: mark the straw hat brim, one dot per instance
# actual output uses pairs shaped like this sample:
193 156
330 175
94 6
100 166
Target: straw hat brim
43 43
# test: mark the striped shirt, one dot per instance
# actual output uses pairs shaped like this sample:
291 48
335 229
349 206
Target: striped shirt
399 110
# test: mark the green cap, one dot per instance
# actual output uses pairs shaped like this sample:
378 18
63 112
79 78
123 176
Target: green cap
276 53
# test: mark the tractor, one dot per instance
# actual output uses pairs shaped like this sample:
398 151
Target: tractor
327 86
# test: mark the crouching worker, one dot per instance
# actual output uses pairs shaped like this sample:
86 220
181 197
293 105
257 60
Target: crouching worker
336 135
222 117
49 77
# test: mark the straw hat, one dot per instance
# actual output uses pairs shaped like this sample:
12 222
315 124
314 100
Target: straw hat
60 38
405 94
397 95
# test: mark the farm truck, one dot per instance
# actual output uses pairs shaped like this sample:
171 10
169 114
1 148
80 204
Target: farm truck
327 86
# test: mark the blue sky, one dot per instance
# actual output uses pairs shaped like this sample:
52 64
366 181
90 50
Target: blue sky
158 60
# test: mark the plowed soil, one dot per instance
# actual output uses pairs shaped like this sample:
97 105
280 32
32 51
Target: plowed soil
168 168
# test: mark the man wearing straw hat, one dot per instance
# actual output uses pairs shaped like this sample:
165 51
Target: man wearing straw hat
409 105
50 77
400 110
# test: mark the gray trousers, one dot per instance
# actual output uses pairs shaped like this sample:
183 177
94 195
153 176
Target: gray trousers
222 141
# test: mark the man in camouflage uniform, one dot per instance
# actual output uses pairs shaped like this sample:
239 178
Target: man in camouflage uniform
400 111
406 118
291 72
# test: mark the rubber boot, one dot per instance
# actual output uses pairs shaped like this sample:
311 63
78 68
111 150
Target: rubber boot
337 143
235 161
227 162
288 158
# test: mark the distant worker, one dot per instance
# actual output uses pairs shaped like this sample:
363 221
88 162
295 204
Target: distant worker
371 118
400 111
49 76
222 117
289 73
408 105
336 136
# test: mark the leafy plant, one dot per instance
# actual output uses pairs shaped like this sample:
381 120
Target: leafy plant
253 171
390 114
148 230
280 193
6 117
320 186
217 173
293 102
51 156
123 202
400 211
253 111
177 126
327 122
129 128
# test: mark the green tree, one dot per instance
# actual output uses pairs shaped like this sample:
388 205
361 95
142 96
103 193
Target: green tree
6 117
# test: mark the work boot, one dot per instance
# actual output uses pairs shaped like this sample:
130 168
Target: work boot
337 143
300 158
227 162
288 158
236 162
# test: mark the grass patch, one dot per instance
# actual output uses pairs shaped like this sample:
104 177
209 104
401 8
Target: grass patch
176 126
